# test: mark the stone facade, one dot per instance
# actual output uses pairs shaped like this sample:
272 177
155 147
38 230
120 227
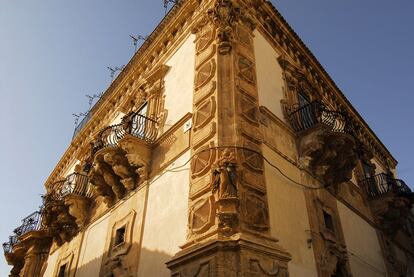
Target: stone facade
236 155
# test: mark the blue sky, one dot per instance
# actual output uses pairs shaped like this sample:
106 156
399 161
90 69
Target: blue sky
53 53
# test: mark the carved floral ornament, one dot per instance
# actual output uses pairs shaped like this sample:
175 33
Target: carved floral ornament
225 15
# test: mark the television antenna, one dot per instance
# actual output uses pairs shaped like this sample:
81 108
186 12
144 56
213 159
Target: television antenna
136 38
166 2
114 70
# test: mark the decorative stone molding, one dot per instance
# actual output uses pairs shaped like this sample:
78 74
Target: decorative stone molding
391 212
78 207
225 15
121 93
37 244
240 257
327 239
115 262
329 155
58 222
227 164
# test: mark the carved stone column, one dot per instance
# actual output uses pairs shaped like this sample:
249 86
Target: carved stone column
228 231
38 244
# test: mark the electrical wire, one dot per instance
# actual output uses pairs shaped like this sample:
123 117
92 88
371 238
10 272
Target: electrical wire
240 148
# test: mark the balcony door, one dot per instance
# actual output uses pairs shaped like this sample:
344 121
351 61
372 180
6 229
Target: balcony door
306 115
139 121
369 175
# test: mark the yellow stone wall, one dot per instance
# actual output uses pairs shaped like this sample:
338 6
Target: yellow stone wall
288 215
269 75
362 243
160 222
179 82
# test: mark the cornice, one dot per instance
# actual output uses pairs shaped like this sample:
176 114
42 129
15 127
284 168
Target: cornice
312 65
155 49
153 52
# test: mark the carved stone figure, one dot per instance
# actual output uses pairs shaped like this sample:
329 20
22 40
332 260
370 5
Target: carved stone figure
101 187
224 176
78 208
391 212
58 222
224 15
105 170
115 157
136 154
329 155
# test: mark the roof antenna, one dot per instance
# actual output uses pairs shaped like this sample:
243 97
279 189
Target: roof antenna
169 1
136 38
113 71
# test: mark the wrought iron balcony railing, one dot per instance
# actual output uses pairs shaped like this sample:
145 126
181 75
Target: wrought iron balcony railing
381 184
8 246
133 124
74 183
315 113
30 223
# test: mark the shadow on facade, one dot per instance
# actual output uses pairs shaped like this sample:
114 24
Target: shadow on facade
117 264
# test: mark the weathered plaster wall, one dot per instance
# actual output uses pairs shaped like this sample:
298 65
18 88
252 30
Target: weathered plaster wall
67 254
165 220
51 263
179 82
269 75
362 243
93 248
288 215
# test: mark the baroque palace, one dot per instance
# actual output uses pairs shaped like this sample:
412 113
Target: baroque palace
223 149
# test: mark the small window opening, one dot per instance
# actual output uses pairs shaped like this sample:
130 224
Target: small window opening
120 236
328 221
62 270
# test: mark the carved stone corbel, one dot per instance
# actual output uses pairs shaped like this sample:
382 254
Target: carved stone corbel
78 207
101 187
391 212
138 154
329 155
105 170
58 222
115 157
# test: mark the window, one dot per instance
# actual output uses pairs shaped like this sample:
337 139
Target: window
368 170
139 121
120 236
328 221
62 270
302 99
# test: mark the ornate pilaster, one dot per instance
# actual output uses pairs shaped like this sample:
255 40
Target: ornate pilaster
228 210
37 244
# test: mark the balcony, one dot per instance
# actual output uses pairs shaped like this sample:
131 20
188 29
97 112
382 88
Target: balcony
120 157
8 246
390 200
66 206
325 142
316 114
24 236
73 184
134 124
382 184
29 223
